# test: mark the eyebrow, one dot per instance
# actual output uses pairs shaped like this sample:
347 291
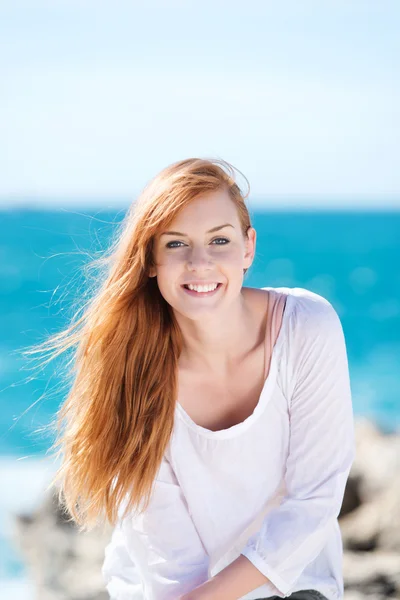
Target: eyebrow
217 228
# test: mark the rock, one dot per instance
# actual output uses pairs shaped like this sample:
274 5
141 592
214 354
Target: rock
352 498
377 458
64 564
371 574
375 524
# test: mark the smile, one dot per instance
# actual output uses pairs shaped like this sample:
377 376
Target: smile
202 290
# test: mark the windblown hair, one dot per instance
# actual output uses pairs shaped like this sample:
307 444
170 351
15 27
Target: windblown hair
117 419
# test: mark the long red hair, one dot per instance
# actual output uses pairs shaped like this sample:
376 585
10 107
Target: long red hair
117 419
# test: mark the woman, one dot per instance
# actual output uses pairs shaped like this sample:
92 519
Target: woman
210 423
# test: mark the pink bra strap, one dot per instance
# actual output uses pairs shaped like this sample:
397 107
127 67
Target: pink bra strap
276 303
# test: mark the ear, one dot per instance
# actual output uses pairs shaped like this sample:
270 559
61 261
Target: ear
152 272
250 247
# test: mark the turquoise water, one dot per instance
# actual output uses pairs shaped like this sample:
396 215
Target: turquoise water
350 258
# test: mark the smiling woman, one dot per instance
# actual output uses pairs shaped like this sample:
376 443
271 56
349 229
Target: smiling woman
205 261
210 423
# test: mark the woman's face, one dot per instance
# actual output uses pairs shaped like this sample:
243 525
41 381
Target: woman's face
203 245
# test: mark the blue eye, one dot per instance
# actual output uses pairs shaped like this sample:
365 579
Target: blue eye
169 244
221 238
214 240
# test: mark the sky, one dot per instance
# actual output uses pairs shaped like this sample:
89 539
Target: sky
303 97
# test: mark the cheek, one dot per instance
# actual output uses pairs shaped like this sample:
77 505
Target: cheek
170 261
231 255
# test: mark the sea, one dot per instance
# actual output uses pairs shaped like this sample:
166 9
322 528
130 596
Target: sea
351 257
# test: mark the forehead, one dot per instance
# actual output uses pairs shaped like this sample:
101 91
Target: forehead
208 210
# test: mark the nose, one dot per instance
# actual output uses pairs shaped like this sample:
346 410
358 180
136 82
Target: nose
199 259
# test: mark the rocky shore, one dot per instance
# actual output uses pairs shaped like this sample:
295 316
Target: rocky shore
65 565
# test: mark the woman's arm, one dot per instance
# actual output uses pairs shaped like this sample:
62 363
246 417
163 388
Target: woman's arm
321 452
232 582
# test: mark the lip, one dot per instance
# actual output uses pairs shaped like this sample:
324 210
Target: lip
202 294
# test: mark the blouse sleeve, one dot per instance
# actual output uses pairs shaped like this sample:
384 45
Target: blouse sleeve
321 449
157 555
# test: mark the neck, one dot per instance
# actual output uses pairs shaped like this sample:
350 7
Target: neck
219 344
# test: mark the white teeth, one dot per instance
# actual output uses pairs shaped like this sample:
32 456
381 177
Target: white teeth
203 288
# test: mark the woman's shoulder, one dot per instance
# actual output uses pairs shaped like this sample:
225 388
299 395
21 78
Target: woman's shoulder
302 298
310 324
305 306
302 306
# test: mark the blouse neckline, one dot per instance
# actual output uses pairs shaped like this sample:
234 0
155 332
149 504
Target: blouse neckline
265 393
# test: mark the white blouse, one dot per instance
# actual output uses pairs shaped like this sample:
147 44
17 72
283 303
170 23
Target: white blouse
270 487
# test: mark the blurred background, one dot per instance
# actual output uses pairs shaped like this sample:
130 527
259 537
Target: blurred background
97 97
